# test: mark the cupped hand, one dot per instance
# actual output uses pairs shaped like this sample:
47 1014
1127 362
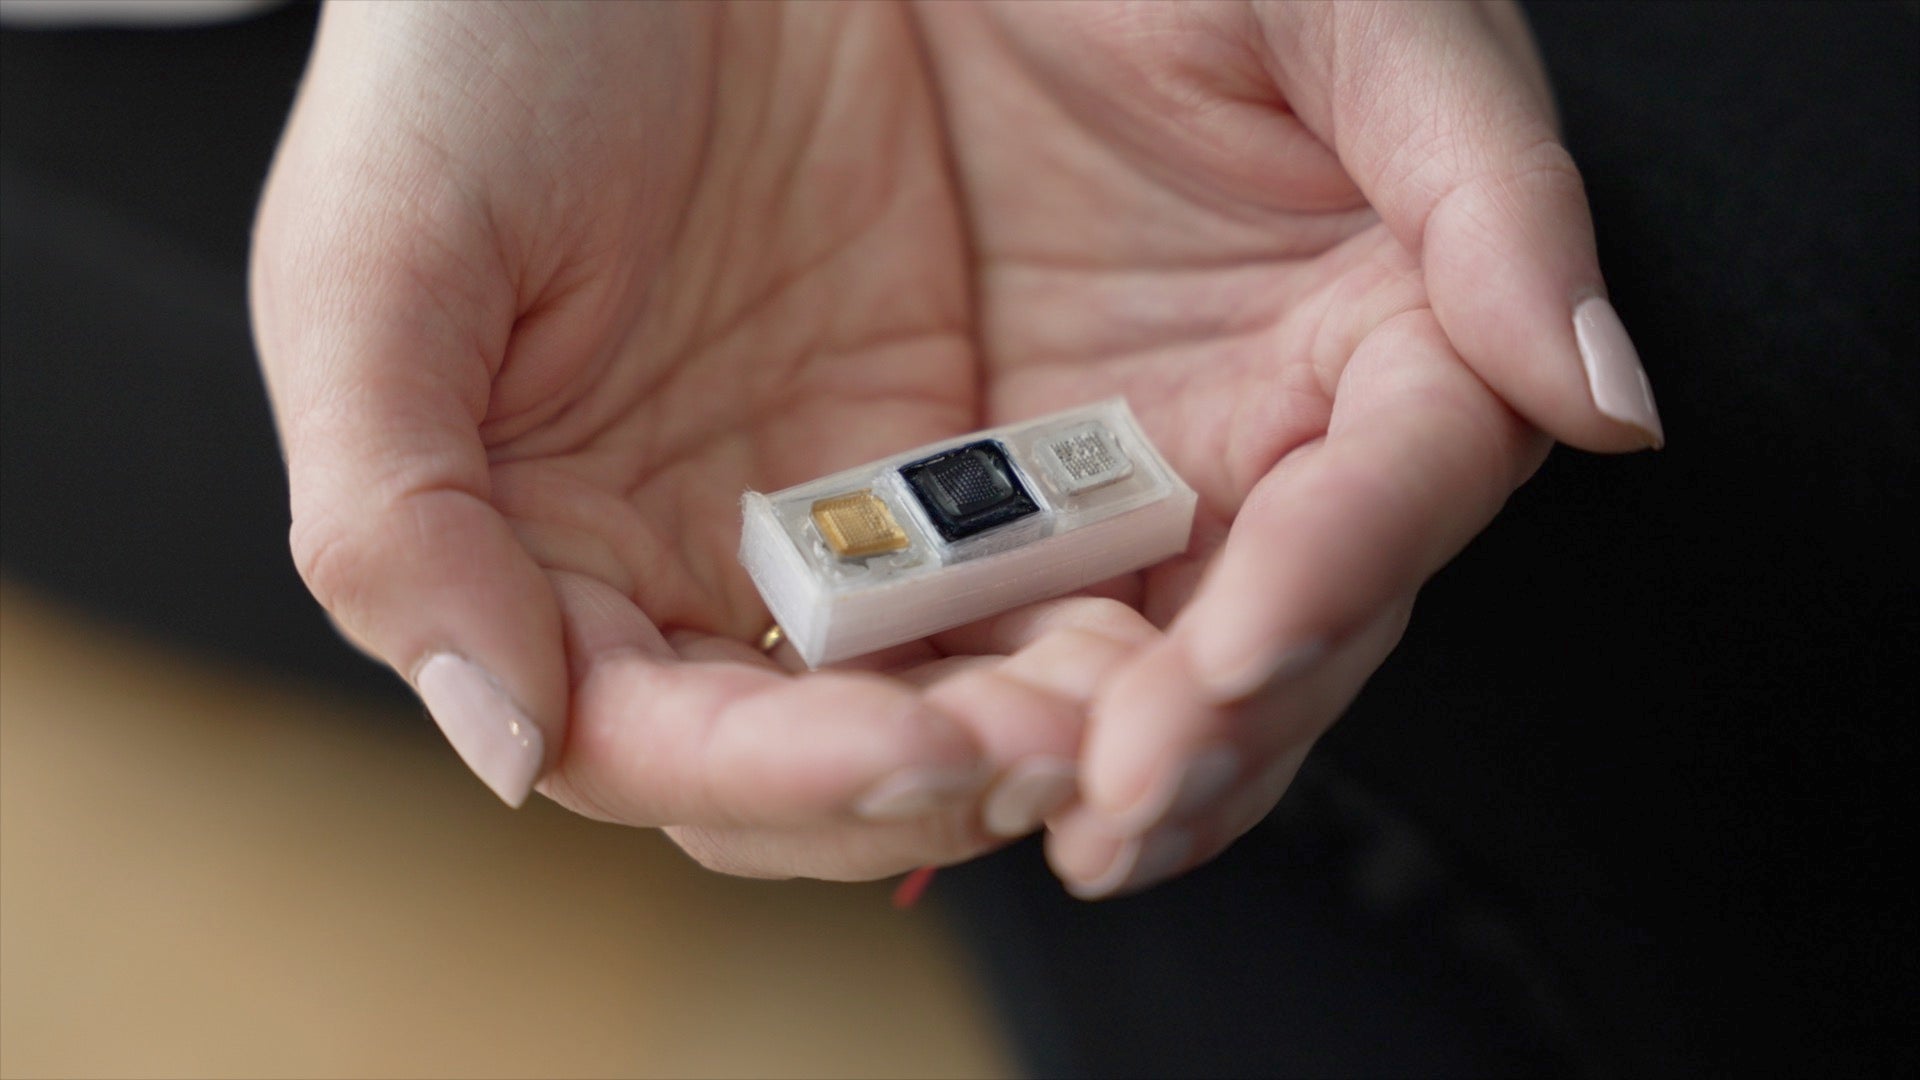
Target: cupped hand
1338 260
540 289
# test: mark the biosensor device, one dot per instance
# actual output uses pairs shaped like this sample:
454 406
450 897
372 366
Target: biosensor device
945 534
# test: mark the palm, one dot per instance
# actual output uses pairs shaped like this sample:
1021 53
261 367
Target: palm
808 310
845 314
1132 237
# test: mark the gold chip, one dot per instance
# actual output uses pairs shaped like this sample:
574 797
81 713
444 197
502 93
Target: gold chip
858 525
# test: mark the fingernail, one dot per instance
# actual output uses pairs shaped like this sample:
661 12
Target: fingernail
1234 681
492 735
1029 792
1619 384
1138 864
913 792
1183 791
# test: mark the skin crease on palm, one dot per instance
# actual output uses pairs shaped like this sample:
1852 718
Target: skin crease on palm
598 269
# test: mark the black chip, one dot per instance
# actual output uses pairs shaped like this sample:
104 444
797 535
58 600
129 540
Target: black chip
968 490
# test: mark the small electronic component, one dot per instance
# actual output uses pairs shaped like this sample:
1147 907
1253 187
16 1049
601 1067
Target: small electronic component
942 535
858 525
969 490
1083 458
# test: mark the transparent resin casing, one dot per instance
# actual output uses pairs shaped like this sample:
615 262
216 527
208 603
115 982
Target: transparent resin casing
991 520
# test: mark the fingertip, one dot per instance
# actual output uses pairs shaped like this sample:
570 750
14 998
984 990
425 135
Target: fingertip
435 585
490 731
1616 378
1107 870
1514 278
1154 740
1072 665
1229 668
1029 792
1082 855
838 744
919 790
1446 120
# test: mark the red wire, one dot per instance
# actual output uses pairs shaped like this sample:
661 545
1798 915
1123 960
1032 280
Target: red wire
907 893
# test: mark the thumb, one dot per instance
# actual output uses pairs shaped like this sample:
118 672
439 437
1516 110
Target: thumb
1442 116
379 375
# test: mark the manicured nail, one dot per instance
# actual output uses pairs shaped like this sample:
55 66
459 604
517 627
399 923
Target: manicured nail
1183 791
1027 794
491 734
1138 864
1619 384
1237 680
916 791
1125 857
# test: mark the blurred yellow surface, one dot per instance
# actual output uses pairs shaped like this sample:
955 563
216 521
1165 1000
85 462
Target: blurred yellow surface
206 873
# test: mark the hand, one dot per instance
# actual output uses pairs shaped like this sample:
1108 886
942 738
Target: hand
539 290
1335 255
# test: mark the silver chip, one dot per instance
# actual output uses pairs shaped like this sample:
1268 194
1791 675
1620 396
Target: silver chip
1083 457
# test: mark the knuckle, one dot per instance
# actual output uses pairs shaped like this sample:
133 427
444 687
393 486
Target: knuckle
1486 200
1544 162
329 562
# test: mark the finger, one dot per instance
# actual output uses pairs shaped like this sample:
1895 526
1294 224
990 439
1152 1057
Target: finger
1012 631
1240 757
1441 115
842 853
1096 865
734 745
1251 804
1098 608
1026 710
1173 753
603 623
1030 710
657 740
1029 728
700 647
929 672
1419 456
600 622
671 742
377 350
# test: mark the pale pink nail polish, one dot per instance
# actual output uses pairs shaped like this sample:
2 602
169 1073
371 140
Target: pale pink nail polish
1110 878
1614 375
1027 794
1142 862
496 739
1184 790
1234 681
916 791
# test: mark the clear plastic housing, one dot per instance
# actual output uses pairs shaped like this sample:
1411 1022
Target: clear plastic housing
992 520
